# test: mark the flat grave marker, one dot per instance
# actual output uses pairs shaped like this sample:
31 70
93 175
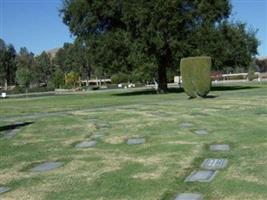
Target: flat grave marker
214 163
47 166
201 176
186 125
220 147
201 132
188 196
133 141
86 144
97 136
4 189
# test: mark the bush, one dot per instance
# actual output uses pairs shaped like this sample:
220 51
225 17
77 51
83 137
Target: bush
72 78
58 79
119 78
195 73
251 71
23 77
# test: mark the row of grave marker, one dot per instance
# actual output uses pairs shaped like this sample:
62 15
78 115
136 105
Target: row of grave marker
47 166
209 167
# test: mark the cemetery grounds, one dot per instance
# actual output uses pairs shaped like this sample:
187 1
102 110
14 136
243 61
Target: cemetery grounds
112 169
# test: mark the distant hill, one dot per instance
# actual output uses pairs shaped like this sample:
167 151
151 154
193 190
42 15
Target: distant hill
52 52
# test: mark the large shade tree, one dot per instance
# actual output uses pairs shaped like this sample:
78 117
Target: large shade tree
122 32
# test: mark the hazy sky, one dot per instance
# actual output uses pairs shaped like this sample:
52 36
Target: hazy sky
36 24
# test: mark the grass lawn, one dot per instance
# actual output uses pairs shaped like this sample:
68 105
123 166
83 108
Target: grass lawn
113 170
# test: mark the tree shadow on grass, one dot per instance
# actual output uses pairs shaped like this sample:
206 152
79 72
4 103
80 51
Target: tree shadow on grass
14 126
180 90
229 88
205 97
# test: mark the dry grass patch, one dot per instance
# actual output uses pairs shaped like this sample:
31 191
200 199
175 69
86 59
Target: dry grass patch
233 172
156 174
13 173
245 196
182 142
24 194
116 139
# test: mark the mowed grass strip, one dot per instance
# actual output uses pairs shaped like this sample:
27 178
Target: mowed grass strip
153 170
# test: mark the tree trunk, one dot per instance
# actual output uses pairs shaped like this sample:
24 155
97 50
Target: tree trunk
164 61
80 81
88 76
5 84
96 81
87 81
162 76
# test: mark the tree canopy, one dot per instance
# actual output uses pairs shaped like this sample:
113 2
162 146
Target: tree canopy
130 36
7 63
139 41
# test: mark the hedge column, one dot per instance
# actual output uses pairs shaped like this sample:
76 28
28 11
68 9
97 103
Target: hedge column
195 73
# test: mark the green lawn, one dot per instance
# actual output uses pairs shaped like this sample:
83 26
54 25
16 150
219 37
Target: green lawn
113 170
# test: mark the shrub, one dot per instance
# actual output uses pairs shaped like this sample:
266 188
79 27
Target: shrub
58 78
251 71
23 77
72 78
119 78
196 75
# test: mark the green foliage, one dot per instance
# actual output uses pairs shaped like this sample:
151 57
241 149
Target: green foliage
58 78
25 65
75 57
65 59
7 64
119 78
23 77
152 172
71 78
196 75
251 75
127 35
43 68
25 59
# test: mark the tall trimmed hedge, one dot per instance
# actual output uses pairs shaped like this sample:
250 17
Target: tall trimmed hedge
195 73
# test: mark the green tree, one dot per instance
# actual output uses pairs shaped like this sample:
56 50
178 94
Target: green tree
83 59
25 67
24 77
58 78
157 29
119 78
72 78
7 63
229 44
43 68
2 60
66 58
